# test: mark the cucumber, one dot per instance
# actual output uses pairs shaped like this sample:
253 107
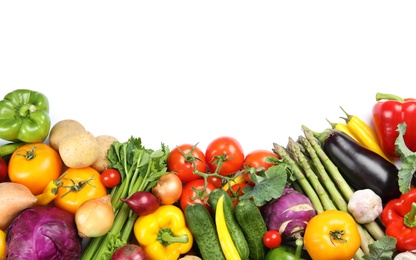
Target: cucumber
237 234
254 227
202 227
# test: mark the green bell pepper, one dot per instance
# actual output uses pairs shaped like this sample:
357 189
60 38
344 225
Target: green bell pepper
24 116
282 252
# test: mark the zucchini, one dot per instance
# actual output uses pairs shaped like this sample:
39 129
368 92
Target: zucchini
202 227
254 227
237 234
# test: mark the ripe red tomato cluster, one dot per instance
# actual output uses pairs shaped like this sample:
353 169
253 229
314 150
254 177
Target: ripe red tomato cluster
224 156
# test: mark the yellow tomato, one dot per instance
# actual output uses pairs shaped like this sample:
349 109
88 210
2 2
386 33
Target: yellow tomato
35 165
2 245
78 186
332 235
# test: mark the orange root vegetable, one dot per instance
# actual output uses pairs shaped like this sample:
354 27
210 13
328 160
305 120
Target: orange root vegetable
14 198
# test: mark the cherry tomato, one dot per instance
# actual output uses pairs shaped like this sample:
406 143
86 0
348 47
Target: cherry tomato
110 177
272 239
182 160
190 195
3 170
230 152
257 160
35 165
78 186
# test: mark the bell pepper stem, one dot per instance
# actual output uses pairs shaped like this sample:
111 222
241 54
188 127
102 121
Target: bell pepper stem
410 217
380 96
166 237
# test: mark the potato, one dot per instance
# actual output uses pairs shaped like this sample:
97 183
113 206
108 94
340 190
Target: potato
104 143
14 198
61 129
79 149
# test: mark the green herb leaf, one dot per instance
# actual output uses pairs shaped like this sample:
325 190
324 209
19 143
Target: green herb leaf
382 249
407 159
268 184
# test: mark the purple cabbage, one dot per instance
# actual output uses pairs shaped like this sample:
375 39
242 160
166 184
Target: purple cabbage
43 232
289 214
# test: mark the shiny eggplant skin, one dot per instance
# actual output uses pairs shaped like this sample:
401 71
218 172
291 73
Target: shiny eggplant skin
361 167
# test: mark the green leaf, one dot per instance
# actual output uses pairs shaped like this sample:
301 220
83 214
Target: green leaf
382 249
407 159
267 187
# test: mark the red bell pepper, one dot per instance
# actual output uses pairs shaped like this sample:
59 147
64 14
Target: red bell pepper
399 218
388 112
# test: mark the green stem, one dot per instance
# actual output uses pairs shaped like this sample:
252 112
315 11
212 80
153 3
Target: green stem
410 217
380 96
300 177
313 179
323 176
331 168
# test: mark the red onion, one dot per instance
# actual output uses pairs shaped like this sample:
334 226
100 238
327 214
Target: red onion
129 252
142 202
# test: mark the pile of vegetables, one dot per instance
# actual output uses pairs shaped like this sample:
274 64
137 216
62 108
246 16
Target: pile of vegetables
335 194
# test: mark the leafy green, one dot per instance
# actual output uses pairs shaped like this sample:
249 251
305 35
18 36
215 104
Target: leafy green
268 184
407 160
382 249
140 169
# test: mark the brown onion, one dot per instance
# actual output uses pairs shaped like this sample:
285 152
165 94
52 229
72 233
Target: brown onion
95 217
168 189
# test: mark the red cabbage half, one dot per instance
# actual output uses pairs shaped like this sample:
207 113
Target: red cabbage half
43 232
289 214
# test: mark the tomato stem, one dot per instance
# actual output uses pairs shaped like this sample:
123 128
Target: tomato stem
77 186
337 235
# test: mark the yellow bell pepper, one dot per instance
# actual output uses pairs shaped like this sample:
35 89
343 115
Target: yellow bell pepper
163 234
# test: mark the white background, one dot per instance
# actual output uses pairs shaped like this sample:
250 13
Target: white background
191 71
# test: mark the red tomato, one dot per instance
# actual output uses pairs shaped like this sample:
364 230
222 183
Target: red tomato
216 181
230 150
110 177
272 239
181 160
257 159
3 170
238 191
190 195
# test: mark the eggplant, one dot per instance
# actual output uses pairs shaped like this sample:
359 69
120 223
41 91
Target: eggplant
361 167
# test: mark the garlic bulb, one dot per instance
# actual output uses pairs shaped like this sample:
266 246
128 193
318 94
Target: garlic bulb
365 206
95 217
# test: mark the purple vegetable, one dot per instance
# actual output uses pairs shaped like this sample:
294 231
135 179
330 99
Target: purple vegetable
129 252
43 232
142 202
289 214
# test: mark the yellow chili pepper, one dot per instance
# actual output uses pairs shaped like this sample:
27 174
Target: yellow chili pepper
365 134
343 128
50 192
237 180
226 242
163 234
